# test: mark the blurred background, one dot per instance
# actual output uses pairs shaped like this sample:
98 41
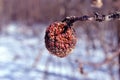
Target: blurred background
23 55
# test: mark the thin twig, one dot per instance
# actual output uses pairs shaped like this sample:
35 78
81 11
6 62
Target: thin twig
37 59
97 17
98 65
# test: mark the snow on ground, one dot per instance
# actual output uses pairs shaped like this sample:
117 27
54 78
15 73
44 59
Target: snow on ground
18 50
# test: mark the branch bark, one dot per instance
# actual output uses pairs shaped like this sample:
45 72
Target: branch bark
96 17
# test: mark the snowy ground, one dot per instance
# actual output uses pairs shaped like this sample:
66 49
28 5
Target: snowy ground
19 47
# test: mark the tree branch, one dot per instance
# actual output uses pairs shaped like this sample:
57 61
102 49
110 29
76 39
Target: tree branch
97 17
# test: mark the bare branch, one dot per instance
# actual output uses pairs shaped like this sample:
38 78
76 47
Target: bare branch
98 65
97 17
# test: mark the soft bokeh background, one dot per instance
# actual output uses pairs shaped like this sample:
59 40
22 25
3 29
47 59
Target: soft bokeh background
23 55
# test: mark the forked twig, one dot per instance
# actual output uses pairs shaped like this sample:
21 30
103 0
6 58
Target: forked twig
108 60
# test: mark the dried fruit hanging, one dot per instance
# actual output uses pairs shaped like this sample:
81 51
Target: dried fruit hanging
60 39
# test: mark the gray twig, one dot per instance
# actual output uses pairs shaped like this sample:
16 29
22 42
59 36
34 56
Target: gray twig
97 17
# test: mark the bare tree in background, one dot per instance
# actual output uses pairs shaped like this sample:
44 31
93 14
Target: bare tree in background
51 10
118 34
